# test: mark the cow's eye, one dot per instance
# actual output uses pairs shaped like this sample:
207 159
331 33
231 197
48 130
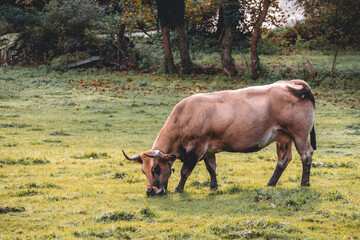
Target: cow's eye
156 169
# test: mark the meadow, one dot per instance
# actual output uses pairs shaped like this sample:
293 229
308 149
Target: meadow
62 174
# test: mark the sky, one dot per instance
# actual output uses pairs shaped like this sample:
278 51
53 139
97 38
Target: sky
289 5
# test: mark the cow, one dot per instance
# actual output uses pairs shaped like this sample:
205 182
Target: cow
244 120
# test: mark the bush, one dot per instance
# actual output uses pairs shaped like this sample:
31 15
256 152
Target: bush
69 18
267 47
14 19
61 63
62 27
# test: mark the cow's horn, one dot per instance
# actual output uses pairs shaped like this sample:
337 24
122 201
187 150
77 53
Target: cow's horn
133 158
155 155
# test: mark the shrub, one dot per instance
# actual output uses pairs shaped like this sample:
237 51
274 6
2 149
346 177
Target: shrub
14 19
62 27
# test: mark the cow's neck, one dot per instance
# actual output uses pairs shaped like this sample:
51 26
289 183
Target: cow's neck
166 142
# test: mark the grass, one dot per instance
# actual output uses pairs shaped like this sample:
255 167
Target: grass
62 174
346 62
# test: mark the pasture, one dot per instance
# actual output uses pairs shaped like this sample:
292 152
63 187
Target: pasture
62 174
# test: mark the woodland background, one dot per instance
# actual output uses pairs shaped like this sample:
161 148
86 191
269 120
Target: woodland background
175 36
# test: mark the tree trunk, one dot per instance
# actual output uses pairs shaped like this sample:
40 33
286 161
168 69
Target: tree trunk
255 39
220 24
168 57
226 59
333 68
186 63
121 50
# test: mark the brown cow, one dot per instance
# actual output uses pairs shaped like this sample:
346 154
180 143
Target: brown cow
244 120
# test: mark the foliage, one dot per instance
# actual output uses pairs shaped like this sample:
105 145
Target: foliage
61 26
58 30
337 21
14 19
67 18
200 15
171 13
275 15
233 13
138 14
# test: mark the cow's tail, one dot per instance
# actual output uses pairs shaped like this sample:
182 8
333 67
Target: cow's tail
313 138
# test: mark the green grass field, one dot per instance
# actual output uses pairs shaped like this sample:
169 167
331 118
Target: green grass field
62 174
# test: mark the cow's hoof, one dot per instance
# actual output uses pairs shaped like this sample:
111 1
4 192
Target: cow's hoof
213 188
305 184
271 185
179 190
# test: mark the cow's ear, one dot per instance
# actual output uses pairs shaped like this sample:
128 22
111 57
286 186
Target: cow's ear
138 160
169 158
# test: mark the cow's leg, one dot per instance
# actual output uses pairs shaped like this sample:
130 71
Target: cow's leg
191 158
210 162
186 170
305 151
283 150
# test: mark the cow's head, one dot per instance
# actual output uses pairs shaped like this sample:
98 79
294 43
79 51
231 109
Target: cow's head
157 168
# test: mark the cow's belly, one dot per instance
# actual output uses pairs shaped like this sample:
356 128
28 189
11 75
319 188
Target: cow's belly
237 142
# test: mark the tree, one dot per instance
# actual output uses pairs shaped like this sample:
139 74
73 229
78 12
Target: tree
121 17
171 14
337 21
236 18
229 17
201 15
256 34
186 62
164 15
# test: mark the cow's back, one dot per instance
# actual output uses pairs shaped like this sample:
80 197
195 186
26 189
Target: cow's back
236 119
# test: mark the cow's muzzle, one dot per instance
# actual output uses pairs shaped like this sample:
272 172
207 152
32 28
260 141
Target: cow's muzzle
153 192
